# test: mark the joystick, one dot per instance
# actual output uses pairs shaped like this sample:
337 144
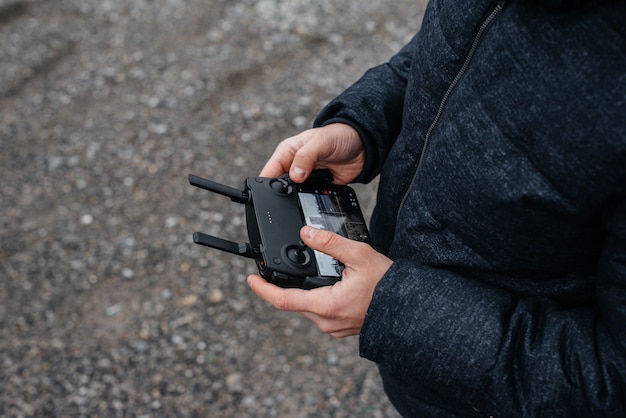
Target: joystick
276 209
281 186
297 254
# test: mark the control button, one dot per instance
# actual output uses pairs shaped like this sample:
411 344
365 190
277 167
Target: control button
277 276
281 187
297 255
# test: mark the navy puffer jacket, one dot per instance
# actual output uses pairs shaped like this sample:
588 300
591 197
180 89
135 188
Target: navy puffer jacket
499 133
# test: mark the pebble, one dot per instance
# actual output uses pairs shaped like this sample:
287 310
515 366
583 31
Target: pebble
216 296
114 309
234 382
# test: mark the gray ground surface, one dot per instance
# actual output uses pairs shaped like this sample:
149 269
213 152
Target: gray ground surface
107 308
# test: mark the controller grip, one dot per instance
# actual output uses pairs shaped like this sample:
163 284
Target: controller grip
313 282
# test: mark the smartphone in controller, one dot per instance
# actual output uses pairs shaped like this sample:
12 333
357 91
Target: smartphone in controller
276 210
333 208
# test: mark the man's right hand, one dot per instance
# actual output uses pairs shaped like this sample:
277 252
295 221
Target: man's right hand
336 147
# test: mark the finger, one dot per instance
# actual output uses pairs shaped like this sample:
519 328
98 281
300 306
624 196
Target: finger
292 156
293 300
273 168
307 156
330 326
280 161
330 243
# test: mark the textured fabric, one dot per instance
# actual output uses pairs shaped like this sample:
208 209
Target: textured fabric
499 133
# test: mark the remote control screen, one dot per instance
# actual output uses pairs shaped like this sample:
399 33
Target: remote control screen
334 209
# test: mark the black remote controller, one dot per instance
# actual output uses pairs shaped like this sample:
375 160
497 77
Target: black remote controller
276 210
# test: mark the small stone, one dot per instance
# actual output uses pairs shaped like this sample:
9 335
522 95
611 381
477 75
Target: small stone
114 310
55 163
216 296
86 219
234 382
190 300
140 346
300 122
159 128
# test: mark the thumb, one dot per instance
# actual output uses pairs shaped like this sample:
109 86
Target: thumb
324 241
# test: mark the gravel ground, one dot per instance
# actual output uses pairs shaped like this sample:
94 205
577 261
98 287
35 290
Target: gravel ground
107 308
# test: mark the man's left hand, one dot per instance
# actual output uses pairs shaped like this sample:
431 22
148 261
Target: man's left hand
340 309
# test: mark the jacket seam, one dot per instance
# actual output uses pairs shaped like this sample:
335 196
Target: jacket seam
485 24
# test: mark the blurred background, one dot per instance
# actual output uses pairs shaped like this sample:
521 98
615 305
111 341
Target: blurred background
107 308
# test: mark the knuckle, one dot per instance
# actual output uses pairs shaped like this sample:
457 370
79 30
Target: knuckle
328 239
330 312
281 303
325 328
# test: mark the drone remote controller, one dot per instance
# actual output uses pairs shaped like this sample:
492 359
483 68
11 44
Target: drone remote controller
276 210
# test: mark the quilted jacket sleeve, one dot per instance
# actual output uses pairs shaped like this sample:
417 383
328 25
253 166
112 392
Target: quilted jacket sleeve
373 106
470 348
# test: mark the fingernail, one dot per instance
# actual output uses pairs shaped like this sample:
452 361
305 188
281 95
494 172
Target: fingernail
298 172
310 232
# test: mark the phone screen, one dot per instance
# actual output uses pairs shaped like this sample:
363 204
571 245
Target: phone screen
336 209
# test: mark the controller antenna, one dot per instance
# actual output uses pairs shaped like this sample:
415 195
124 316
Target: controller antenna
237 248
235 195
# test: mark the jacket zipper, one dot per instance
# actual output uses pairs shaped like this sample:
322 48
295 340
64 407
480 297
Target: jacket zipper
481 31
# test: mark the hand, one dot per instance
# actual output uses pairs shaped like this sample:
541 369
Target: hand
336 147
338 310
